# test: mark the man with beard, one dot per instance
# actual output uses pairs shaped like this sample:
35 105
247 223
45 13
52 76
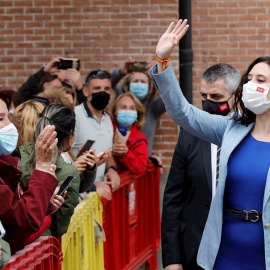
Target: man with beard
92 123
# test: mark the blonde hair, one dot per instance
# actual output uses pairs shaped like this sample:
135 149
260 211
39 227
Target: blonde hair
28 112
17 122
71 91
152 90
139 107
57 95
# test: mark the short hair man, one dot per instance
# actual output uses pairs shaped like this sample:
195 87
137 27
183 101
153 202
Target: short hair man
192 179
92 123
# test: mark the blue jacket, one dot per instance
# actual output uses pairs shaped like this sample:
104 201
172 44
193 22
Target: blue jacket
222 131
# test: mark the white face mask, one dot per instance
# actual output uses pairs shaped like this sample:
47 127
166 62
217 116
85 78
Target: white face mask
255 97
8 139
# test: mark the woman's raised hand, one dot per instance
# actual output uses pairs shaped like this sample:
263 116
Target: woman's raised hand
170 39
44 148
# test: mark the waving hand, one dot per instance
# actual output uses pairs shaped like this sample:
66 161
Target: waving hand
170 39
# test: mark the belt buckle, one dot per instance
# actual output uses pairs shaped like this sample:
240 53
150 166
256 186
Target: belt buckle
252 211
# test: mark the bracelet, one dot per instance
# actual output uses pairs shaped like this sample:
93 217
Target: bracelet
112 167
163 61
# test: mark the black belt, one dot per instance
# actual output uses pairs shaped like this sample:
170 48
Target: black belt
251 215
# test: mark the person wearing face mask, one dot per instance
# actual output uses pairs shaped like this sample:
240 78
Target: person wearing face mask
192 181
23 215
130 144
141 85
236 234
92 123
29 112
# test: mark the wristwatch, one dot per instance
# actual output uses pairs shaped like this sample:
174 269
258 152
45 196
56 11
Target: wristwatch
112 167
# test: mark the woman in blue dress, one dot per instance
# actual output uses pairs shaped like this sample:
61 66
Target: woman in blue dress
237 233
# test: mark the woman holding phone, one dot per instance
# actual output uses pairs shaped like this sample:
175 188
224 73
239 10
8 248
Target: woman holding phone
64 121
29 113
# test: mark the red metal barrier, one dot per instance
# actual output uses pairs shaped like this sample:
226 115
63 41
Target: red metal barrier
131 221
43 254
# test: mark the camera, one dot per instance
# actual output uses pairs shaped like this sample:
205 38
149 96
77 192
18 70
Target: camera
67 63
136 67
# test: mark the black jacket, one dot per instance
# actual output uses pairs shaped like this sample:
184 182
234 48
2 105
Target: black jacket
30 88
187 200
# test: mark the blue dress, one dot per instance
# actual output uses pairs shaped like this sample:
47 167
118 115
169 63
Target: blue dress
242 242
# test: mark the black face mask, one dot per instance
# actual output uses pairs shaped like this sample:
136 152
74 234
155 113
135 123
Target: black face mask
100 100
213 107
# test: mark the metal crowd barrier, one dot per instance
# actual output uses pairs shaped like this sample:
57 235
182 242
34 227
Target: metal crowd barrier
131 221
43 254
78 244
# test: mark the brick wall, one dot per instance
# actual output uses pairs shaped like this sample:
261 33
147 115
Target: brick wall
106 33
229 31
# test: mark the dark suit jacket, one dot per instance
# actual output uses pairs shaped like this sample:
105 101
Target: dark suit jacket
187 200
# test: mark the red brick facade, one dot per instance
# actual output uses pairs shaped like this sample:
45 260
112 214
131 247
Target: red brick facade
106 33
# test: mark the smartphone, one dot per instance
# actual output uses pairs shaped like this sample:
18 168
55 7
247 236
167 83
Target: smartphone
122 130
100 155
67 63
136 67
2 231
65 185
86 147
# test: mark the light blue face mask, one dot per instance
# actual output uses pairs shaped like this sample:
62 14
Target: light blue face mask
140 90
8 139
126 118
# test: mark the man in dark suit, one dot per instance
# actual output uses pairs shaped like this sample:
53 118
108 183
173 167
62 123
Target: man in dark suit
192 179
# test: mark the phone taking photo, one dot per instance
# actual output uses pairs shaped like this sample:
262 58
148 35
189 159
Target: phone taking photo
136 67
86 147
65 185
66 63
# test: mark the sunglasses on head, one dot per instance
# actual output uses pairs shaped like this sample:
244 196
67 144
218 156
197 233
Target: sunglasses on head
43 100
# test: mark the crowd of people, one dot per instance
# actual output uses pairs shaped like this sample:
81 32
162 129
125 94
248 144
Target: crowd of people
44 129
216 202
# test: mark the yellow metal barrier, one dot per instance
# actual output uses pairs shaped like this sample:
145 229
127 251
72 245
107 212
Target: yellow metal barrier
79 249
